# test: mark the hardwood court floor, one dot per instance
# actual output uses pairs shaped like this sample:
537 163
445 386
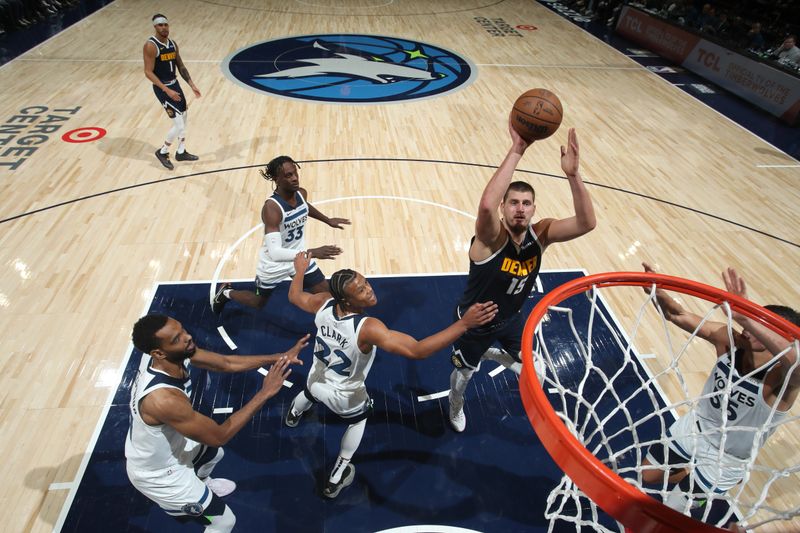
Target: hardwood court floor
673 183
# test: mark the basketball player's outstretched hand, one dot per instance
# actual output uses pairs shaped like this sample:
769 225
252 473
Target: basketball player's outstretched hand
479 314
325 252
734 284
570 155
274 379
301 262
337 222
648 268
293 353
518 144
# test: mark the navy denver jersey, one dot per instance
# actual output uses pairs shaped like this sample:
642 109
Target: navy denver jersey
505 278
164 67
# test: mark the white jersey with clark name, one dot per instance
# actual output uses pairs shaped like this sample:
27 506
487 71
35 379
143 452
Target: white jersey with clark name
340 368
292 228
742 415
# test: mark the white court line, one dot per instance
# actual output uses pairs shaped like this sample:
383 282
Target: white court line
647 356
778 166
62 486
263 371
497 370
223 410
434 396
226 338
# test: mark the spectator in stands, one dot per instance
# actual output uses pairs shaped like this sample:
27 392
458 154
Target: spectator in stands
755 39
723 27
708 19
787 53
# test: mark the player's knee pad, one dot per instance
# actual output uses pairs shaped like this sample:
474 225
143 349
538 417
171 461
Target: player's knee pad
178 129
459 378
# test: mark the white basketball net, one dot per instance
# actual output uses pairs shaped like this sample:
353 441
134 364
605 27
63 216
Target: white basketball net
612 424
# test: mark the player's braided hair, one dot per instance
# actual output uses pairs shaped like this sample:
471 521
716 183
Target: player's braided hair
273 168
339 280
145 329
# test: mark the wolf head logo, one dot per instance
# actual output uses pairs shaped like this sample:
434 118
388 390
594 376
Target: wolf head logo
356 66
349 68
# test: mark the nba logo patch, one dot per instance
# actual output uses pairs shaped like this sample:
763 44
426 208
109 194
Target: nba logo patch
354 69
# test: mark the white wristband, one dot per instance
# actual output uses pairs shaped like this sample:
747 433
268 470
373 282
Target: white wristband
275 250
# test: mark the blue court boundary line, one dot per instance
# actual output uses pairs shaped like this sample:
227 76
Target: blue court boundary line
406 160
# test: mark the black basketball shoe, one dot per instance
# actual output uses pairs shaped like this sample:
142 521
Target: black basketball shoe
220 299
185 156
164 158
332 490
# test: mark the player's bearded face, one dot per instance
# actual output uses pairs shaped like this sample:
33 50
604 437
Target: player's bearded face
176 342
518 210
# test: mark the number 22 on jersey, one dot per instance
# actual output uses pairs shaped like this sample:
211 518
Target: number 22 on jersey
336 359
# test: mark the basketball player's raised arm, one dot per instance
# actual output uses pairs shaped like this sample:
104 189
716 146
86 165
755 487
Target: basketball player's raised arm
185 71
584 220
488 228
714 332
375 333
172 407
241 363
310 303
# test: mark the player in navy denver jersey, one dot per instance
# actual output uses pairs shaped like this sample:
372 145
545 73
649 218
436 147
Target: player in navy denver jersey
504 259
162 62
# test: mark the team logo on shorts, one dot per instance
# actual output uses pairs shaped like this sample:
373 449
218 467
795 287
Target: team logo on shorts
193 509
353 69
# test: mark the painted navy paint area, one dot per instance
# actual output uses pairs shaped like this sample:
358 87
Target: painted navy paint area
410 468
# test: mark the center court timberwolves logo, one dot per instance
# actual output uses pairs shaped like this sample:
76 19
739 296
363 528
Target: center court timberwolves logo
355 69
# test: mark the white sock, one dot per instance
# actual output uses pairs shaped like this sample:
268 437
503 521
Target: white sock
300 404
165 148
350 441
338 470
227 293
181 146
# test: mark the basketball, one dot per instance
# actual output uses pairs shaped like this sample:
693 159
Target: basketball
536 114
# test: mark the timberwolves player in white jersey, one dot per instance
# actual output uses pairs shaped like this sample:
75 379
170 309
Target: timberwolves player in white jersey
504 260
344 349
756 378
171 449
162 64
284 214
